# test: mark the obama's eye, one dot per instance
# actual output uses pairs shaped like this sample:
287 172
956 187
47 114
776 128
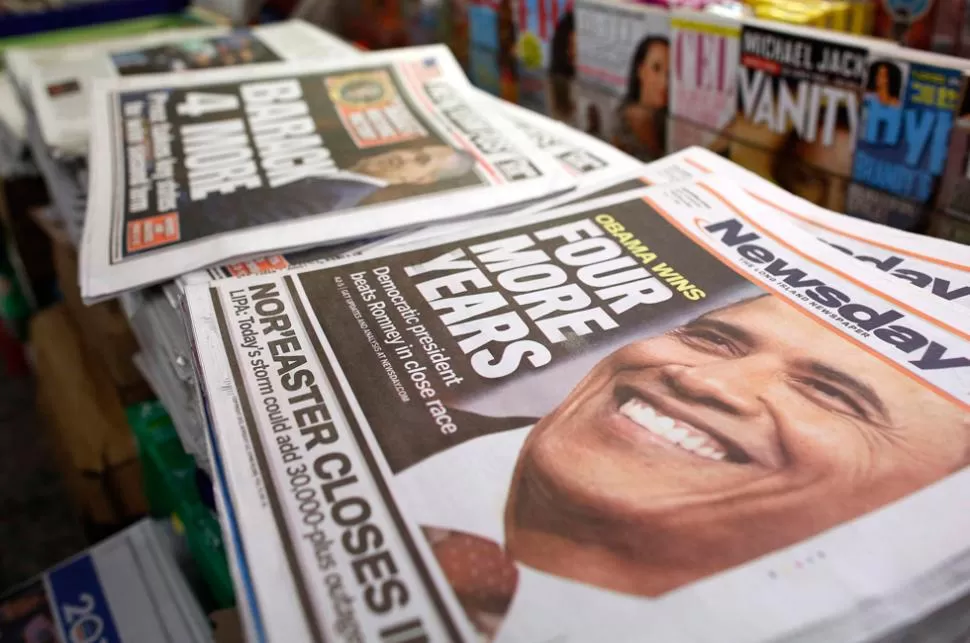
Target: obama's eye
831 396
709 340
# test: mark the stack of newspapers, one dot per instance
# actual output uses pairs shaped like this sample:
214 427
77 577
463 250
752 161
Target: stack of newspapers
460 372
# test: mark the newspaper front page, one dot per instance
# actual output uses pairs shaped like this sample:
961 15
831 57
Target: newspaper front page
665 411
60 79
199 169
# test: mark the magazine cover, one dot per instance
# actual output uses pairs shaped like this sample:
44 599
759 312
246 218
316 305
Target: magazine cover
624 49
703 79
457 29
483 69
425 21
594 109
953 197
908 111
607 419
546 45
908 22
491 54
198 168
126 589
798 109
61 78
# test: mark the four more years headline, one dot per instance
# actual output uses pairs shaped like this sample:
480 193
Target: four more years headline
506 301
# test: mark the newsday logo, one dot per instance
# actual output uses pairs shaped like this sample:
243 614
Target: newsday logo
921 352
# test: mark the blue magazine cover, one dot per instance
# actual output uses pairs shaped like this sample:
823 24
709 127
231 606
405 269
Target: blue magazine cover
903 139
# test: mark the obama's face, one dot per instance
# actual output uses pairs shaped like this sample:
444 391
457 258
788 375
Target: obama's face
419 166
749 429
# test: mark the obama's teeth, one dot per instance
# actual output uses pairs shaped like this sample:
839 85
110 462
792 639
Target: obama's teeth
673 431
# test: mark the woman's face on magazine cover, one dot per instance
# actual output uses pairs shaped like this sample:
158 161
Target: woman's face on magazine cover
882 79
653 76
746 430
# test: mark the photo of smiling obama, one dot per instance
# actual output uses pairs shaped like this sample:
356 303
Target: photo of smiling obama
746 430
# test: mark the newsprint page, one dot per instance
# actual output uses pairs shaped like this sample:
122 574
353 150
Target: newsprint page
197 169
666 411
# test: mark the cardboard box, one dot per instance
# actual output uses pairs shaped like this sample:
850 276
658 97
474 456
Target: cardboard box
105 329
86 423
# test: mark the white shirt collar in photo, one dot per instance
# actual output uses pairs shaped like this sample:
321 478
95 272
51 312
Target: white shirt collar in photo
356 176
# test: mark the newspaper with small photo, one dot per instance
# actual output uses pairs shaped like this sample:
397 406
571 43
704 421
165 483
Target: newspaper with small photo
59 79
221 164
587 159
592 422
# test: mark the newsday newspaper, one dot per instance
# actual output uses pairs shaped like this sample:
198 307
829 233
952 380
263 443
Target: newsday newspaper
939 267
58 80
667 410
198 169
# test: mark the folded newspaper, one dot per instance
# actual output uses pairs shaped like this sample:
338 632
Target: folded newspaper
666 411
59 79
126 589
586 158
198 169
